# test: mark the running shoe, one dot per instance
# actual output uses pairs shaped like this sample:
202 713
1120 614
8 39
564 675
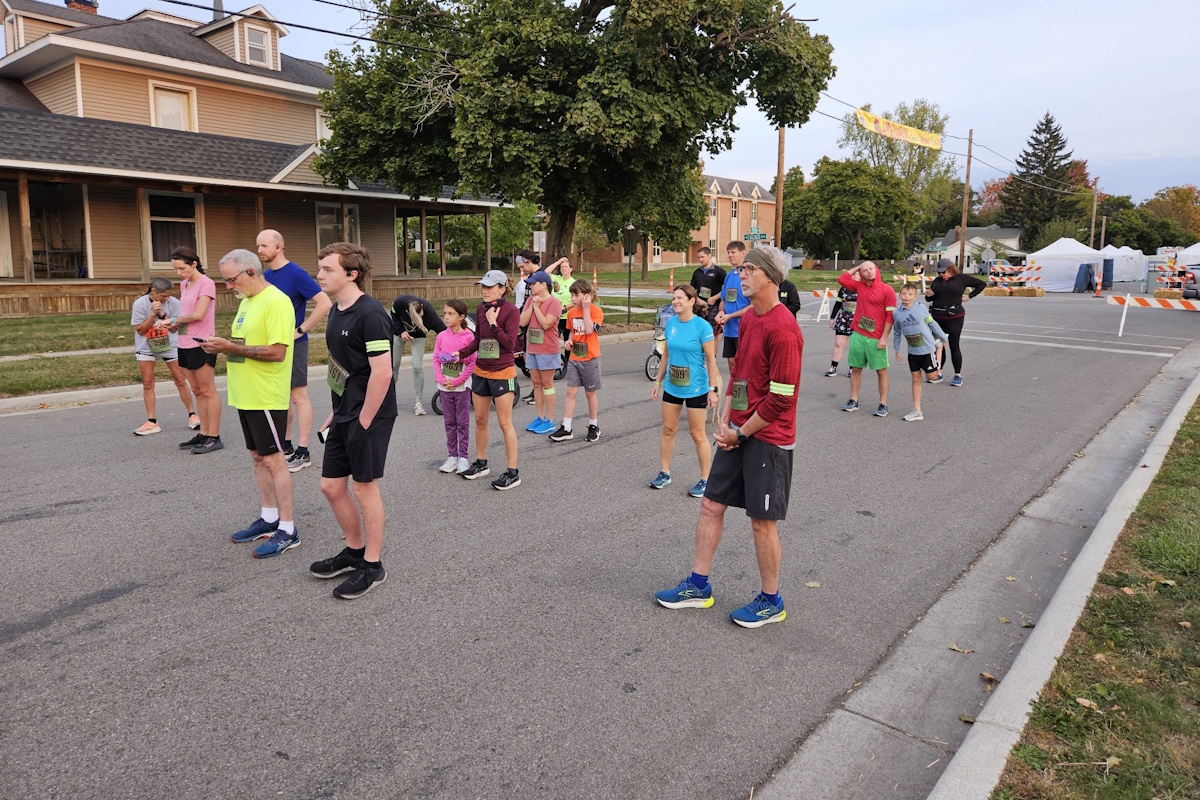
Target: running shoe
278 544
259 529
449 465
362 581
418 409
343 562
209 445
199 438
534 426
686 595
477 470
914 416
699 488
147 429
194 421
758 612
593 433
938 379
561 435
509 480
956 381
881 411
661 481
831 372
463 466
529 399
851 405
288 449
547 426
299 461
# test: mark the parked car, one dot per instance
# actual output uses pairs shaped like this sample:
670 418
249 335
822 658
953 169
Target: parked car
1190 290
986 268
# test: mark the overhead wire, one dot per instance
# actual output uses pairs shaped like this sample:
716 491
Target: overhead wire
385 16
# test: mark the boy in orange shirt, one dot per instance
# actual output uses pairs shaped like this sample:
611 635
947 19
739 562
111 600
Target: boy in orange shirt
583 322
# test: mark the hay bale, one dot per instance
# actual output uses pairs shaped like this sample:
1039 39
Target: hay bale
1029 291
997 291
1168 294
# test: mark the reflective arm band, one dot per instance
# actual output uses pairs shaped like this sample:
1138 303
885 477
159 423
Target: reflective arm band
379 346
783 389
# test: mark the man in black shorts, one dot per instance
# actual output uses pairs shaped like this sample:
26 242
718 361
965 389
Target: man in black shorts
359 336
756 437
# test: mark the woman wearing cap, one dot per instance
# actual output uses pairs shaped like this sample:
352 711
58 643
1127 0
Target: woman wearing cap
946 300
497 325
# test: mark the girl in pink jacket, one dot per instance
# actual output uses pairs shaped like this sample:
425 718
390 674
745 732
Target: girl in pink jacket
454 382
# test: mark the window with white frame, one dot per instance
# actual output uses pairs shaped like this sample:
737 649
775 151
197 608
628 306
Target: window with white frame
713 208
657 249
754 213
733 214
173 108
329 224
174 221
323 131
258 46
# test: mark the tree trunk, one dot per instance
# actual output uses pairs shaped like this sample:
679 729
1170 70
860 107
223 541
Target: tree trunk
560 233
645 256
857 240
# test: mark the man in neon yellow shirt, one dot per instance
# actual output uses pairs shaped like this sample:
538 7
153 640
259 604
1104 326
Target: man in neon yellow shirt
258 358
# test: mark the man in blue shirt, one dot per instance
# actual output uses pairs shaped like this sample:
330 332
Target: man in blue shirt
733 303
291 279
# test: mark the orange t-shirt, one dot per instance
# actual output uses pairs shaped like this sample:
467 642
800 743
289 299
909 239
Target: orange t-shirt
578 339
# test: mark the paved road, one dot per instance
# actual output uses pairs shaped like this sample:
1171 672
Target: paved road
514 650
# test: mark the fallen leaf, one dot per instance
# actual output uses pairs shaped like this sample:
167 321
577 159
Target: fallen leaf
1185 624
1010 578
42 405
1005 620
1028 623
1167 582
958 649
1099 657
1115 708
1083 701
987 676
812 585
967 719
1127 590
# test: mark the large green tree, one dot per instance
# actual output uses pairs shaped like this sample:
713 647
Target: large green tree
1181 204
914 165
851 206
1040 190
603 106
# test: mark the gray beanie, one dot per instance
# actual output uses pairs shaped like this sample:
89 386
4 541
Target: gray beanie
774 263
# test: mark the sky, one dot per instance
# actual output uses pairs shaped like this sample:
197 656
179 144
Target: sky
1118 76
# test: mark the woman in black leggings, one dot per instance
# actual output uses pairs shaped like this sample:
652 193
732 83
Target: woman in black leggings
946 301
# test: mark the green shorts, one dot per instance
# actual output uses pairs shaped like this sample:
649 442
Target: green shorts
865 352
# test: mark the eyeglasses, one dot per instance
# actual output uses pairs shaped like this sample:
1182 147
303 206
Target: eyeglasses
746 268
233 280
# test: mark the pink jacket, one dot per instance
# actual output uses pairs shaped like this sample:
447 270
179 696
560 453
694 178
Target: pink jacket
450 342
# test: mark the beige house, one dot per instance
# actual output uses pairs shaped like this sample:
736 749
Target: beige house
122 139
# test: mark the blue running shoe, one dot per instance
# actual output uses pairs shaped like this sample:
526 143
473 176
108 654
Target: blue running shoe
661 481
758 613
685 595
534 426
547 426
278 544
259 529
956 381
851 405
698 489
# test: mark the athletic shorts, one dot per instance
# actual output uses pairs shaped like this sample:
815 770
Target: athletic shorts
926 363
492 387
700 401
300 363
755 476
585 374
729 349
865 352
193 358
166 355
545 362
357 452
264 430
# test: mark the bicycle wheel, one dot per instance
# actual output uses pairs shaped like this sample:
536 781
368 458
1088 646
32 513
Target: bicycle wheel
652 361
437 403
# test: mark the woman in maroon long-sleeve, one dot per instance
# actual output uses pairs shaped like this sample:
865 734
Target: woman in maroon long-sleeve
497 324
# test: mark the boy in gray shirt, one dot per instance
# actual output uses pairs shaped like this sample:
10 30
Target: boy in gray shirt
925 338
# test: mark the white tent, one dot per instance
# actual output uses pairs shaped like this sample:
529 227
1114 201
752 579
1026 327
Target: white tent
1128 265
1189 256
1060 262
1138 260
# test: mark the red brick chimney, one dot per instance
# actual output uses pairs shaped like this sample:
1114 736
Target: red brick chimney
86 6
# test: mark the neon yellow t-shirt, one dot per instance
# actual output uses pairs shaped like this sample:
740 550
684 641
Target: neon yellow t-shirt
264 319
560 287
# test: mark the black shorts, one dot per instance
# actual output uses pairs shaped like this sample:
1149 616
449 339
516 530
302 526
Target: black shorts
193 358
755 476
300 363
690 402
351 450
492 387
926 363
730 348
264 430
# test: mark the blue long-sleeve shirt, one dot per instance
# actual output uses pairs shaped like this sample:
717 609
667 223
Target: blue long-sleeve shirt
916 327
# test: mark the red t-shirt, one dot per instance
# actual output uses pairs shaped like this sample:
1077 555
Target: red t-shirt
876 302
768 360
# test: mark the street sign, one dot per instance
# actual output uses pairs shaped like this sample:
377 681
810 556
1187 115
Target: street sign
539 241
755 237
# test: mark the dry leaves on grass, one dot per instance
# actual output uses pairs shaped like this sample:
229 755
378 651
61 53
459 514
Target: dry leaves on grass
1083 701
1127 590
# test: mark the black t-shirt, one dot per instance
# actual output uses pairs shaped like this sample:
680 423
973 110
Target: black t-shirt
709 286
354 335
404 323
789 295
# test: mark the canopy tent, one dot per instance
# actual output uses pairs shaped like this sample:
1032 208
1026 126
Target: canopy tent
1060 262
1189 256
1128 264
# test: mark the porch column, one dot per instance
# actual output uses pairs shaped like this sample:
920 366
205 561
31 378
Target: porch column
26 227
424 247
144 230
404 233
487 242
442 242
259 221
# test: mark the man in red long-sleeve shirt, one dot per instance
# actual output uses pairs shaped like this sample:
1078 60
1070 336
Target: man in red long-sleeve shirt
869 330
757 438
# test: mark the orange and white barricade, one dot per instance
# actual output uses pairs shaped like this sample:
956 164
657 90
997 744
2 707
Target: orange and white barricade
826 296
1149 302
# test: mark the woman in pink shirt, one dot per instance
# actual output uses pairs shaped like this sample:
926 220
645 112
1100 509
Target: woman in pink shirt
198 301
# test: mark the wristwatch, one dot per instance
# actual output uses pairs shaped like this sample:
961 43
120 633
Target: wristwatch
740 436
299 330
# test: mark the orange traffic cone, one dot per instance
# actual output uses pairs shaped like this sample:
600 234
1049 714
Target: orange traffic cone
595 282
672 284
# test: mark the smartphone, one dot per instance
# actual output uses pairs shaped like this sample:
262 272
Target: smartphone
322 435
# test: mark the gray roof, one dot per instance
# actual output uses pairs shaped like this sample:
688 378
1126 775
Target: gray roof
59 11
725 186
13 94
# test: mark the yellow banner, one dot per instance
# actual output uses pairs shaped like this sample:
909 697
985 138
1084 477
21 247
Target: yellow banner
894 130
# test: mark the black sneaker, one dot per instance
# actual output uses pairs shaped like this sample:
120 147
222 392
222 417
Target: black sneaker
344 561
362 581
561 435
199 438
210 444
529 400
509 480
479 469
593 433
288 449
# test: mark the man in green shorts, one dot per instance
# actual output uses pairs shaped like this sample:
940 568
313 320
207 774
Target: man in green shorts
869 330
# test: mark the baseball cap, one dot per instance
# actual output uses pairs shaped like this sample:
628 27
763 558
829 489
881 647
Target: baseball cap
944 264
541 276
494 277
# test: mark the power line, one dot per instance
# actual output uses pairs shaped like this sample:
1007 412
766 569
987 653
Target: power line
390 17
1013 175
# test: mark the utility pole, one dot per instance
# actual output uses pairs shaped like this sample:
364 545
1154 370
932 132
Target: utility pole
962 239
779 193
1092 236
1103 229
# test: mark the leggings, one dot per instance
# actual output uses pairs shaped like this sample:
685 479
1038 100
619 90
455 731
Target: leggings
417 347
456 413
953 329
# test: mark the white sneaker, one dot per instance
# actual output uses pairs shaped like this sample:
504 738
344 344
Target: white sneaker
450 465
914 416
463 466
418 409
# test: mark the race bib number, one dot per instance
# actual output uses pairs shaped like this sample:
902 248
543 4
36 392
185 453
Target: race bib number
158 340
849 305
740 399
183 329
536 336
867 324
731 295
705 293
915 339
336 377
452 370
681 376
234 359
579 349
489 349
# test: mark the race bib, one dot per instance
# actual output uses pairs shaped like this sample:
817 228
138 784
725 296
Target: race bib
158 340
867 324
536 336
915 339
230 357
489 349
740 400
579 349
336 377
849 306
705 293
681 376
452 370
731 295
183 329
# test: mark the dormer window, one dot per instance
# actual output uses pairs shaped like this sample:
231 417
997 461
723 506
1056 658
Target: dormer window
258 46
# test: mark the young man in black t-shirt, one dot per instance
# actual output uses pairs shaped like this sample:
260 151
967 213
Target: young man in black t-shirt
708 281
359 336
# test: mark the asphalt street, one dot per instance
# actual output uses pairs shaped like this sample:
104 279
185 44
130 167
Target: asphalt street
514 650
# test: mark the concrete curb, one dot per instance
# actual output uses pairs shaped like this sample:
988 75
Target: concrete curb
978 764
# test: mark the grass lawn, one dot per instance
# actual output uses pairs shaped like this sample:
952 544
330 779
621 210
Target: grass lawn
1120 717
